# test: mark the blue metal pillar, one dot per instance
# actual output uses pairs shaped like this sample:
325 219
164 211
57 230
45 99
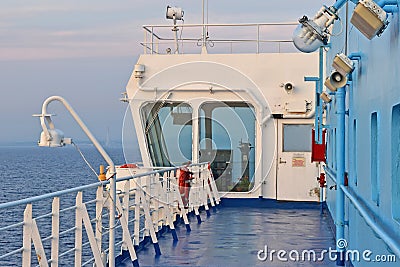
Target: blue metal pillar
340 159
319 92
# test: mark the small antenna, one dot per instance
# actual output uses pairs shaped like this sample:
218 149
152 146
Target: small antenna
204 37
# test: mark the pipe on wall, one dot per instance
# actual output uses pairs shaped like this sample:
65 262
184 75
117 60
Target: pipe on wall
340 159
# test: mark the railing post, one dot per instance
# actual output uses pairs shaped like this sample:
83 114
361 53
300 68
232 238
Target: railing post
125 212
99 215
55 231
213 186
203 189
152 40
258 38
127 235
207 184
111 243
157 46
136 225
154 200
145 42
78 231
149 222
27 237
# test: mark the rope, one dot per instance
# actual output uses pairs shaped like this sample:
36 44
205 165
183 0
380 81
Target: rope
84 158
105 201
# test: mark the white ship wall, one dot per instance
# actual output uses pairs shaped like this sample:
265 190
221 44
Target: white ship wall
254 78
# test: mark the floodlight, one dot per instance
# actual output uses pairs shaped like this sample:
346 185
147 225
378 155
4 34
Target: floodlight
343 64
52 137
369 18
312 34
325 97
138 71
175 13
55 138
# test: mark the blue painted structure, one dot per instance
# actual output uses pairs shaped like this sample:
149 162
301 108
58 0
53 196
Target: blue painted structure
363 143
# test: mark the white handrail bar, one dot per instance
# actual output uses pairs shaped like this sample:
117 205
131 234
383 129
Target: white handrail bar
157 207
155 32
365 213
223 24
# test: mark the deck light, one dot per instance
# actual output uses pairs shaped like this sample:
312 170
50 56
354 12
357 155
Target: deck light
175 13
343 64
51 137
312 34
369 18
138 71
325 97
54 138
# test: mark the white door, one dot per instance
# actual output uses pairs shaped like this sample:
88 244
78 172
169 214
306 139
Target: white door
296 175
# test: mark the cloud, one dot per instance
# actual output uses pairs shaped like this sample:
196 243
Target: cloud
64 29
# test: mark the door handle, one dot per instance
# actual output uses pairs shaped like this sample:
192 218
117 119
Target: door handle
281 161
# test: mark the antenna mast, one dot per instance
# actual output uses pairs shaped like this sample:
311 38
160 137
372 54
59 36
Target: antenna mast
204 26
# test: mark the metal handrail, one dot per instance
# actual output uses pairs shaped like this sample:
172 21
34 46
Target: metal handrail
151 44
153 205
84 187
392 243
331 173
290 23
50 195
365 213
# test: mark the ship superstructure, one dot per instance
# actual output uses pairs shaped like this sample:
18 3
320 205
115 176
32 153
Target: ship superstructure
249 113
290 144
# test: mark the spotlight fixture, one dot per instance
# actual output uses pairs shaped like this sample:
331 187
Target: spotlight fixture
56 138
343 64
138 71
325 97
312 34
175 13
369 18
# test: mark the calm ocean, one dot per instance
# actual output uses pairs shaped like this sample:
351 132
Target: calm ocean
32 171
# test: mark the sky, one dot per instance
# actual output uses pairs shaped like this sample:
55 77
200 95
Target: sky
85 51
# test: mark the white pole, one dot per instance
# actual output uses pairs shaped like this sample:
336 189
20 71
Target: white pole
111 257
204 34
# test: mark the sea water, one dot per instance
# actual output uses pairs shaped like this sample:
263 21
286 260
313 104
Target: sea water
32 171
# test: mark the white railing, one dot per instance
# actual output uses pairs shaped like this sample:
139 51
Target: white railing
54 223
219 38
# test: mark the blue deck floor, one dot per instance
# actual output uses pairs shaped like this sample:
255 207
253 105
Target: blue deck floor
233 235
